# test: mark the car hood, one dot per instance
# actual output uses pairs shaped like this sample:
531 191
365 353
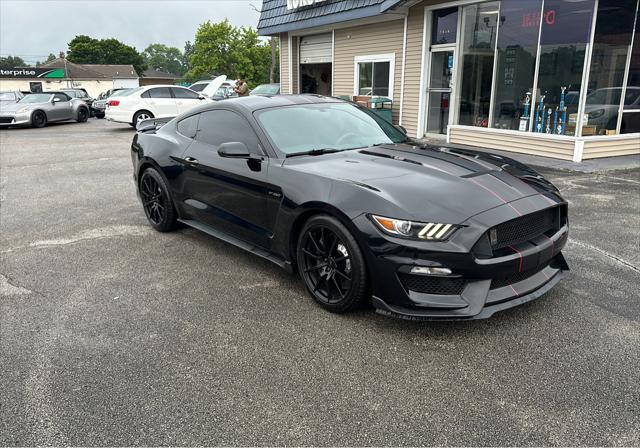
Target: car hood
11 108
213 86
429 182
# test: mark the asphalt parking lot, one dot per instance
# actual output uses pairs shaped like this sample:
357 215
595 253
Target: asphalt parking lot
113 334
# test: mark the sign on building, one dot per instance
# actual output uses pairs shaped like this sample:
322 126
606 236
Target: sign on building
29 72
295 4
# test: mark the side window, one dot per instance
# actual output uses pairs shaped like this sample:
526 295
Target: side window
61 97
160 92
223 126
145 94
189 126
185 94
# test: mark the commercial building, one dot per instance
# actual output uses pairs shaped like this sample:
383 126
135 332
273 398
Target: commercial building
151 77
61 74
557 78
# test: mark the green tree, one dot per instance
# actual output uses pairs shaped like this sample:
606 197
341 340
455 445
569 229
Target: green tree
87 50
221 48
163 58
8 62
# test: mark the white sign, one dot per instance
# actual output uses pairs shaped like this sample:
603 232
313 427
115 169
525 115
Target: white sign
295 4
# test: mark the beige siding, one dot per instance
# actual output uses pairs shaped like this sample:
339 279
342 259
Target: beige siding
379 38
557 148
295 65
413 69
614 146
284 63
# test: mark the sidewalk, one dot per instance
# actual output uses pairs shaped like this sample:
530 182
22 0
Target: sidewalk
586 166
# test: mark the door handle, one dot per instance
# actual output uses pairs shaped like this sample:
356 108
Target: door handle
191 161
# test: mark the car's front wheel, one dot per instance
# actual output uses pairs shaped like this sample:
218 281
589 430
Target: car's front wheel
157 202
331 264
39 119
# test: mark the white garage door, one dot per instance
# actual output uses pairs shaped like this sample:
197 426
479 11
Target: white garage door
125 83
316 49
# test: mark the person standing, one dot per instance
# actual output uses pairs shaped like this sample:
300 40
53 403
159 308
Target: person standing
241 88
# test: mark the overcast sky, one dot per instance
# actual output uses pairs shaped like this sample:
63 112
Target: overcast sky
32 29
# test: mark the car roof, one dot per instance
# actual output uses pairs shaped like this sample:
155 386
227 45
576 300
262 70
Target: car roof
257 102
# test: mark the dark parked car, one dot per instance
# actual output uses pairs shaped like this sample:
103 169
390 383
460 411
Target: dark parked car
80 94
10 97
99 106
363 213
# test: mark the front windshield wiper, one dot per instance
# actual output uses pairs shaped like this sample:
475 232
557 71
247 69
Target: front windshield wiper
314 152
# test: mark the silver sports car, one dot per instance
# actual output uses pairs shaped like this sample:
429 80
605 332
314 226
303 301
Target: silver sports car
38 109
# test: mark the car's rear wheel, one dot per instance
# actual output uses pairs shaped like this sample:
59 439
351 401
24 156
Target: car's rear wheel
39 119
141 115
332 265
83 115
157 202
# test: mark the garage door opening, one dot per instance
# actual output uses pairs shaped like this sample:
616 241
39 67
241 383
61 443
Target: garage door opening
315 64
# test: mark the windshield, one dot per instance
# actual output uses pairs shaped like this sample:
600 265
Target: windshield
266 89
328 126
36 98
199 87
7 96
119 93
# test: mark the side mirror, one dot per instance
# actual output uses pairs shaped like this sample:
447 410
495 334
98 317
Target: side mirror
56 100
201 97
234 149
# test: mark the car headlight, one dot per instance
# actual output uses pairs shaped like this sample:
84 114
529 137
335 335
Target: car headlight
428 231
23 109
596 113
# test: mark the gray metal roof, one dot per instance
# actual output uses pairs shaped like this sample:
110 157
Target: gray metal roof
276 18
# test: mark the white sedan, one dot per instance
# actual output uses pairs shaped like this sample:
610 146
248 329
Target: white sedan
156 101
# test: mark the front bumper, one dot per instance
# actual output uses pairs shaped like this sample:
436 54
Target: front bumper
22 119
479 286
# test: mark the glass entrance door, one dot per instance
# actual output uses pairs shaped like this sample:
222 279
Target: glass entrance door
439 90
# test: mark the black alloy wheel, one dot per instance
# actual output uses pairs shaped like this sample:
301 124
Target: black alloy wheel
83 115
39 119
331 265
157 202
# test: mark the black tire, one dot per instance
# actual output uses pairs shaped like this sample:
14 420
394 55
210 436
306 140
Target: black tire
157 202
141 115
83 115
331 265
39 119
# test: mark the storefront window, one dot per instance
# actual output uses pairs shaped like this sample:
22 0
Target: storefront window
614 29
631 116
566 28
445 26
375 75
478 48
517 50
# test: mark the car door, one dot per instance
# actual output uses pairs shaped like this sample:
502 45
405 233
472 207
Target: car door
230 194
160 102
185 99
60 108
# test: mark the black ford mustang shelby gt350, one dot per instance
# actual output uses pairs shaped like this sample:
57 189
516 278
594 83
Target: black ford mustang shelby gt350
362 212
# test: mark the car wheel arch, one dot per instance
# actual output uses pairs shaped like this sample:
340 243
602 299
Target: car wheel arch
35 111
319 208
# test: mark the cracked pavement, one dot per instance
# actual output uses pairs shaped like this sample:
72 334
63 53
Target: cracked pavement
113 334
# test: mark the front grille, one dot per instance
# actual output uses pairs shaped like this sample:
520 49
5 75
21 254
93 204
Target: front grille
6 120
513 279
441 286
522 229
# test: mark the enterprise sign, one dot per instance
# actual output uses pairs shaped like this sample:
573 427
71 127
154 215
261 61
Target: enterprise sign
32 73
295 4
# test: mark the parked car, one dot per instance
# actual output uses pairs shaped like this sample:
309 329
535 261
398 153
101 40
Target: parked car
266 89
80 94
224 92
217 89
10 97
99 106
38 109
331 190
603 106
155 101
